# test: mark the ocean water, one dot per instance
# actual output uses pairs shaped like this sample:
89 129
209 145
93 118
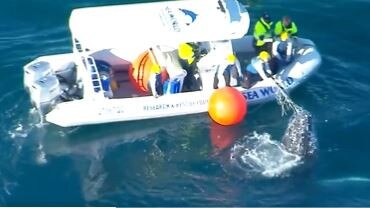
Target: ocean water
190 161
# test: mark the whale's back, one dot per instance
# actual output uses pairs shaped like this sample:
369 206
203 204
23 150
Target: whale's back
299 137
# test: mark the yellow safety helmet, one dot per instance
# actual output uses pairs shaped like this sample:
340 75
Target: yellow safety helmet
185 51
231 58
264 56
284 36
156 68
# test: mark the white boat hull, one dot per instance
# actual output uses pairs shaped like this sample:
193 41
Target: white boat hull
104 110
82 112
71 90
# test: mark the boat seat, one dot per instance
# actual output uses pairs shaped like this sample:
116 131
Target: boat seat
125 87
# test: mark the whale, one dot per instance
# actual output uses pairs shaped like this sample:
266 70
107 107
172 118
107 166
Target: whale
299 137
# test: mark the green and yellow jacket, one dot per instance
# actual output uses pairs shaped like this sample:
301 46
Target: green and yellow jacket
279 28
262 30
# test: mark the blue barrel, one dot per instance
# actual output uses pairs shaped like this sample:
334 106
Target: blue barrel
175 86
171 87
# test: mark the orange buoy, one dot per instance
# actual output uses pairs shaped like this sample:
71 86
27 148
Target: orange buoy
227 106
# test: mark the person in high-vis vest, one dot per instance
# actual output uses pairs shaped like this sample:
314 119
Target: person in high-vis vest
286 25
263 33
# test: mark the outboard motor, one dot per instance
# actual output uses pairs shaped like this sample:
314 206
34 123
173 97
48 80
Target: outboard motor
45 93
67 76
34 71
42 84
67 73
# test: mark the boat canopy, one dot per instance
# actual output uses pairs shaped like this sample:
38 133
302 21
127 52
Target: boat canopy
143 25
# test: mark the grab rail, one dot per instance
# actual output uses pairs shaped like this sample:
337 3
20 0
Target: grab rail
90 65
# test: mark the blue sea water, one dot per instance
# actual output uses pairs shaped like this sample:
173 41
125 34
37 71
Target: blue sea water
185 161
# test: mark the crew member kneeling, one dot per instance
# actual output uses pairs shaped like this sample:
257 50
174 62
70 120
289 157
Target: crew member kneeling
259 69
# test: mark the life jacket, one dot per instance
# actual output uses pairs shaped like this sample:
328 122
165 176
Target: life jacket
291 29
262 30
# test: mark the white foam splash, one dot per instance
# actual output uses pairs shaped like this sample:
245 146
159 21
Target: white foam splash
41 155
259 154
25 125
18 131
